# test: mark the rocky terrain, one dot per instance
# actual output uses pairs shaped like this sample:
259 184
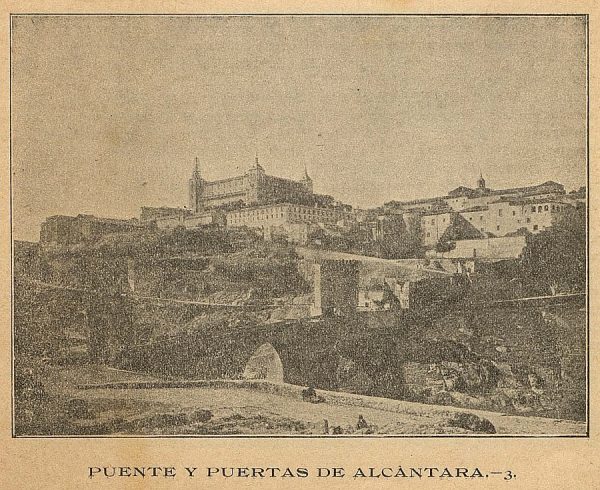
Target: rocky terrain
117 310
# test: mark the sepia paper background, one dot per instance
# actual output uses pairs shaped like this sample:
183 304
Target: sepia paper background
62 462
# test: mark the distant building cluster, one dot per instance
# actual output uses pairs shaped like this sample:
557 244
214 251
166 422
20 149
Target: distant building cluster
487 213
69 230
291 210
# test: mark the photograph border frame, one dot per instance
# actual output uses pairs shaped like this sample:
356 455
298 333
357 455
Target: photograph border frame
585 435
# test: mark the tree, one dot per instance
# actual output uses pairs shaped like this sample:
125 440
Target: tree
403 240
555 259
442 247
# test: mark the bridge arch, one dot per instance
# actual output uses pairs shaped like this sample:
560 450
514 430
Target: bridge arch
265 363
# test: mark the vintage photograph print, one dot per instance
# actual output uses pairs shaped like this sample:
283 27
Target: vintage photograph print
299 225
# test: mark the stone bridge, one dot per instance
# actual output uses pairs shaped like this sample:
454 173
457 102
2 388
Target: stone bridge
353 354
366 353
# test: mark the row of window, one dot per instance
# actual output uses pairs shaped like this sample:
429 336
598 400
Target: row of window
554 207
498 226
269 214
534 209
433 221
292 216
279 210
214 189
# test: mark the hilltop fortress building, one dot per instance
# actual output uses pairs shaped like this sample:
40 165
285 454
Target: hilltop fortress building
252 188
254 199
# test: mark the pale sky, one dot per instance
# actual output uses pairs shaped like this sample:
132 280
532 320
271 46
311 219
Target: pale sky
108 113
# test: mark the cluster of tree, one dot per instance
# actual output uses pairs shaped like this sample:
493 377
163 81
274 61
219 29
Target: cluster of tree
395 239
405 246
555 259
270 271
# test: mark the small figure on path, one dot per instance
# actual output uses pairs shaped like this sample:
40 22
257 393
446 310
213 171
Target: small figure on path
362 423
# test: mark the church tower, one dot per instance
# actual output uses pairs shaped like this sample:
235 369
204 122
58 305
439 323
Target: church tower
480 181
256 178
195 189
307 181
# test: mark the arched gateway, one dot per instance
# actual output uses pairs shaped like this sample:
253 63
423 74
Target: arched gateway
265 364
